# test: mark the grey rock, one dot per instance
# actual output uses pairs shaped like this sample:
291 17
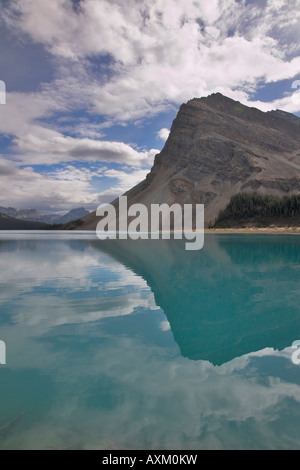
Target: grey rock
217 148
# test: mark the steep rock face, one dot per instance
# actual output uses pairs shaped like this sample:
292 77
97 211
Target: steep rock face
218 147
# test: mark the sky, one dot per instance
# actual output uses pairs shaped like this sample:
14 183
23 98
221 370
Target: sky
92 86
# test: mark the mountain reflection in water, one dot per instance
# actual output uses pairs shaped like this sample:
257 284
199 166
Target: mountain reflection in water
144 345
226 300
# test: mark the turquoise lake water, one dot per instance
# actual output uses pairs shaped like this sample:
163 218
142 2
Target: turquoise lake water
143 345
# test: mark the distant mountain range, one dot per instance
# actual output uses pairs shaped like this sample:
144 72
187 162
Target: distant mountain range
34 215
31 219
218 148
74 214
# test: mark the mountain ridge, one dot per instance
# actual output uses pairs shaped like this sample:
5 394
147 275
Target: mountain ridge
11 223
217 148
33 215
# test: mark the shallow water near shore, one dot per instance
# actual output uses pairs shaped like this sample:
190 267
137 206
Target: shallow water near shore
143 345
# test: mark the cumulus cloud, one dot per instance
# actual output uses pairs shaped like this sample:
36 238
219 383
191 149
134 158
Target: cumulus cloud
126 61
164 52
52 147
64 187
63 190
123 181
163 134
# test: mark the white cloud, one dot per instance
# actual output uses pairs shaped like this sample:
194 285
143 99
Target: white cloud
164 52
150 57
124 180
38 144
65 187
163 134
25 188
52 147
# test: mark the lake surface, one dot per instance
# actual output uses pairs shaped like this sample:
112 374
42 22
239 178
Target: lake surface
143 345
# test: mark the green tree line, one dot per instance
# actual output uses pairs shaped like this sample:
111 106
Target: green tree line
252 206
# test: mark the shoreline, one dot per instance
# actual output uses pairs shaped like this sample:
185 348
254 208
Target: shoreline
257 230
245 230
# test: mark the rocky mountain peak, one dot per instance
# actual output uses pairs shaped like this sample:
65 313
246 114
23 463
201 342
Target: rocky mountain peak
217 148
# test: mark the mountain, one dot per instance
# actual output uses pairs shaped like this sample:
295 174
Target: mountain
27 214
34 216
10 211
216 149
11 223
74 214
